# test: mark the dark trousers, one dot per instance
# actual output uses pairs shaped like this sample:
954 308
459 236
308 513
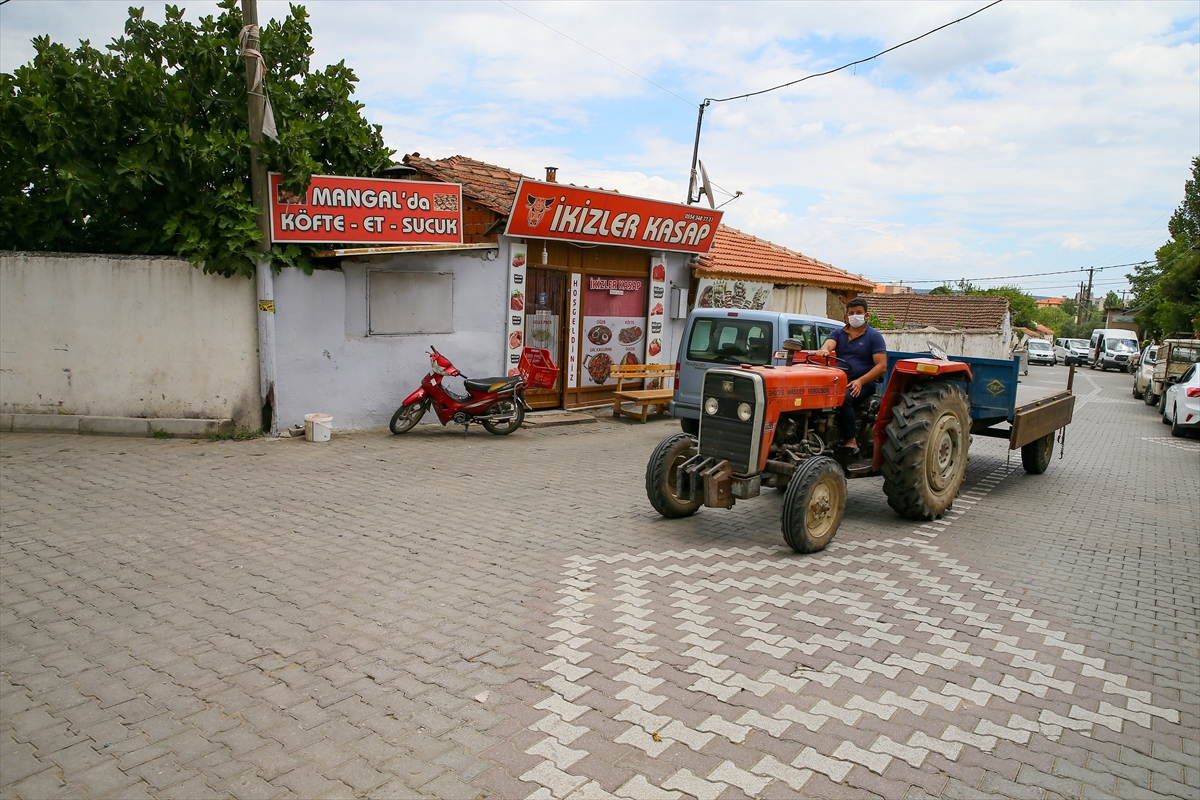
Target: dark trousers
846 412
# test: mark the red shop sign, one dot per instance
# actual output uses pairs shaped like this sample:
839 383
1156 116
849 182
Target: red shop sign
570 213
367 211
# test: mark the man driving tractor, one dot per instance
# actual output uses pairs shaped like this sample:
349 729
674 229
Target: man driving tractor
863 349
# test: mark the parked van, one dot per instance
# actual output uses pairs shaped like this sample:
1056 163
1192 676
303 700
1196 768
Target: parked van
1112 347
720 337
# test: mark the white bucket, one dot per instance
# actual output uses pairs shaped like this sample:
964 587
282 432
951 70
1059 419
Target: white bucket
317 427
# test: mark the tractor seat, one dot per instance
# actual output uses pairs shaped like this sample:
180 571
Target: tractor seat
484 385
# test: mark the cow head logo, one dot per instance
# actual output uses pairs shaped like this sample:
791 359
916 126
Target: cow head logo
537 207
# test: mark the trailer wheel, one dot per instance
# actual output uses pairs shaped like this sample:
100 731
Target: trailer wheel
1035 456
813 505
925 455
661 476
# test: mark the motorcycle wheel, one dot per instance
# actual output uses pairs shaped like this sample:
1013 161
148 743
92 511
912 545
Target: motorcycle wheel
407 417
505 427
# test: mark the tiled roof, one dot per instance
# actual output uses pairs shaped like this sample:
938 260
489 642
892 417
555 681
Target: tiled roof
491 186
737 253
940 310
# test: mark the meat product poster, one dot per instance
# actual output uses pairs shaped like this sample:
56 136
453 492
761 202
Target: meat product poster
656 338
514 328
613 329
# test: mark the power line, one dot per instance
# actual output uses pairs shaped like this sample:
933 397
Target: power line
854 63
597 52
1031 274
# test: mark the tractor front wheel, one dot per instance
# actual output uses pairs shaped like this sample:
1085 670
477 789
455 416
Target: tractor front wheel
661 487
925 455
813 505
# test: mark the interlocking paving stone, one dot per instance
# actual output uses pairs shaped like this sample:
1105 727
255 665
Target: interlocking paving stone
185 609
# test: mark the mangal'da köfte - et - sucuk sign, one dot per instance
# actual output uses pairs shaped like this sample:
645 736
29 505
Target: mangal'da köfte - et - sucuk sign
367 211
592 216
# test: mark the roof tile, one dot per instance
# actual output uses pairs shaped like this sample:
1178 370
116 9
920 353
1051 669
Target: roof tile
941 310
737 253
492 187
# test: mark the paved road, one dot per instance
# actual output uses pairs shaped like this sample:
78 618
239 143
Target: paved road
430 615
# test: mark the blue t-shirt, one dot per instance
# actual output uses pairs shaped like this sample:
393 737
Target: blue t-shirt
860 352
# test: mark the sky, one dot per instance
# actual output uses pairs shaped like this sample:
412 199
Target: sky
1034 137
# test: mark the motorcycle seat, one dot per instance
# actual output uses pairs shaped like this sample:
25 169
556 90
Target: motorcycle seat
485 385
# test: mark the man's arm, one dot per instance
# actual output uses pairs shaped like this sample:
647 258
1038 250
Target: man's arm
856 385
829 346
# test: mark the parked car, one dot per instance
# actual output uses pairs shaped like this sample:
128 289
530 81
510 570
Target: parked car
1071 351
1172 359
1181 403
1040 352
1143 376
1112 348
719 337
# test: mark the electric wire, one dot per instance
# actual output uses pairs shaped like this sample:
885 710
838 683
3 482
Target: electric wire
852 63
1032 274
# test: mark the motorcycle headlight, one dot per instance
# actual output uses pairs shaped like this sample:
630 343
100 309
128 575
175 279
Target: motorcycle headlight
744 412
710 406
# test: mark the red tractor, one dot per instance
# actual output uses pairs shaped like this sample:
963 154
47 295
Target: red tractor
775 426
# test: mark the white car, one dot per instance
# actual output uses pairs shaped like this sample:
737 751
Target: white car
1071 351
1040 352
1181 403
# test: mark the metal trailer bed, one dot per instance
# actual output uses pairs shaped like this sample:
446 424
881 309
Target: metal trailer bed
1003 408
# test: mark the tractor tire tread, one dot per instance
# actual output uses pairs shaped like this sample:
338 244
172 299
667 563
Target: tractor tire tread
904 449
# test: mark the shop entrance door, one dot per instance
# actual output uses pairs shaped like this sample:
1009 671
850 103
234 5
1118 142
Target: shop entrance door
545 326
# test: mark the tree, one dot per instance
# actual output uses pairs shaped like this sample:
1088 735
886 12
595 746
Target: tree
1113 300
144 149
1167 292
943 289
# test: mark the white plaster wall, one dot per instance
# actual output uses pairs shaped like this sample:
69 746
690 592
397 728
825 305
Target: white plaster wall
978 344
326 363
126 336
795 299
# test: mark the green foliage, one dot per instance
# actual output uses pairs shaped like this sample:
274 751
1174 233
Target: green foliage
158 433
1113 300
943 289
239 434
143 148
879 325
1167 292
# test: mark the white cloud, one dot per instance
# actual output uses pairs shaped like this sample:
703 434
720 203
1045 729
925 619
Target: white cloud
1076 244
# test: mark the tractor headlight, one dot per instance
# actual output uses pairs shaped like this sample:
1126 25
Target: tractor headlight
710 406
744 412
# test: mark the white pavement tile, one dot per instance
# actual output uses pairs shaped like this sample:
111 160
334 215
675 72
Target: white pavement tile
748 782
988 728
563 757
638 788
810 759
564 732
953 733
693 785
949 750
678 731
636 737
774 768
876 762
775 727
719 725
558 782
562 708
913 756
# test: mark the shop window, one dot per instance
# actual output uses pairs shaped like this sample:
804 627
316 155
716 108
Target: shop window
402 303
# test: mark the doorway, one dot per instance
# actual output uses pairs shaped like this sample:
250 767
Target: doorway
545 325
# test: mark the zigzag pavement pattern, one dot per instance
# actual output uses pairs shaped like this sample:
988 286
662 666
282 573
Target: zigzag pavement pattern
695 646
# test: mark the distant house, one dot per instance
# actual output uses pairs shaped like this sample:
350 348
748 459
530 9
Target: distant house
790 281
1050 302
969 325
893 287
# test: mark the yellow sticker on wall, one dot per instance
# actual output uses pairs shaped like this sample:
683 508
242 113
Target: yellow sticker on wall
267 305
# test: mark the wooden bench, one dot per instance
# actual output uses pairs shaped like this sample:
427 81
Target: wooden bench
643 398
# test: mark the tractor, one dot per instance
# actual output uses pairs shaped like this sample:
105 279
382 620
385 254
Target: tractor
775 426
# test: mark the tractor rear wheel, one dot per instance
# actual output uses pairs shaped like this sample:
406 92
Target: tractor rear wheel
661 485
925 455
1035 456
813 505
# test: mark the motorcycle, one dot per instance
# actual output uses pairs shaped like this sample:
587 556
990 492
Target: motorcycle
496 403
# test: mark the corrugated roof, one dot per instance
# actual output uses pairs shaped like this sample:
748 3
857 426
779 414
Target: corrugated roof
737 253
492 187
940 310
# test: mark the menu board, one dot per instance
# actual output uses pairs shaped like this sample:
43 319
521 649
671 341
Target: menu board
656 333
614 327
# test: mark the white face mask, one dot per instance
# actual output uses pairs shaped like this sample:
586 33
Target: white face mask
857 320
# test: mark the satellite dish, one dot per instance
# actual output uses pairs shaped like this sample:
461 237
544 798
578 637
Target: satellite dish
705 186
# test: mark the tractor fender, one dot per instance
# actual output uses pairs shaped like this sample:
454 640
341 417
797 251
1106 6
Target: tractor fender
904 374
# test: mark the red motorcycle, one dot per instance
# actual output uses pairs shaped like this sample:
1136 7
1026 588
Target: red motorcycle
496 403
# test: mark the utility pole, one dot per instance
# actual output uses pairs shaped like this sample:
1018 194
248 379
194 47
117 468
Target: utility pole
259 190
1079 305
1088 294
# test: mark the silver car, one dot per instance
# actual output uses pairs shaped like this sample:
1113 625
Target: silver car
1040 352
1071 351
1143 387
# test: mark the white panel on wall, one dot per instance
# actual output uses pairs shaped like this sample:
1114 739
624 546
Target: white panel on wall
410 302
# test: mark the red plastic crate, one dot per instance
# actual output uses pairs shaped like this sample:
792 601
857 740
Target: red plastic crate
538 368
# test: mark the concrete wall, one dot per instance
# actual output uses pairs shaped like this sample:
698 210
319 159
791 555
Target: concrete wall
126 336
979 344
812 300
327 363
